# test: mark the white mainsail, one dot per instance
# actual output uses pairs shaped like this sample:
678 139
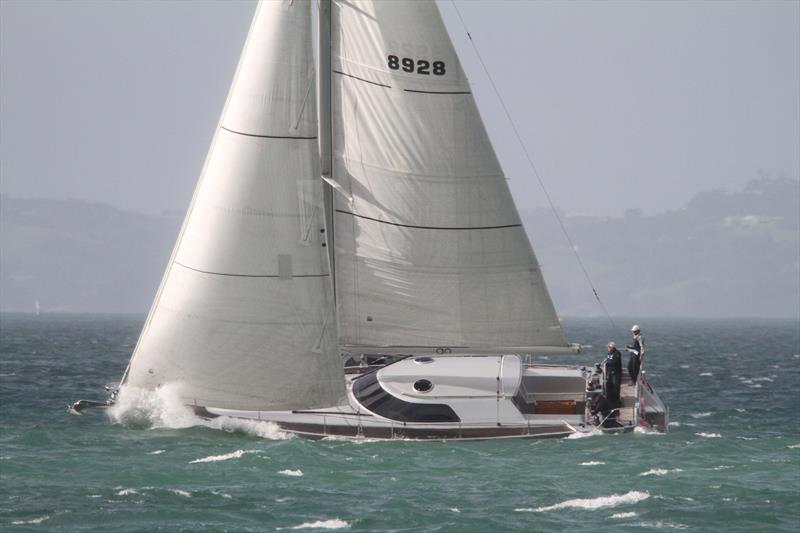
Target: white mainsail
244 316
430 250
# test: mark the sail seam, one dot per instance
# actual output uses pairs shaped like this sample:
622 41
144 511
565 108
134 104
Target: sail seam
250 275
457 228
362 79
436 92
267 136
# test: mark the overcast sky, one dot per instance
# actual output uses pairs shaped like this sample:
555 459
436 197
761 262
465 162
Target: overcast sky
622 104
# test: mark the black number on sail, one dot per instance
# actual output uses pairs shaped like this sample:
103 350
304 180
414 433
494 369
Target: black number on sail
423 66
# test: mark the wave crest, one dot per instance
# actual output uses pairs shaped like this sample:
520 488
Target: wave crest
591 504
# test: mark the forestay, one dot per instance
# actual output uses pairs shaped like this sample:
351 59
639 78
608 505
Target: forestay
244 316
430 250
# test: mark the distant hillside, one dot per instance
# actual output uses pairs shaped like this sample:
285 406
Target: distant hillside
723 255
75 256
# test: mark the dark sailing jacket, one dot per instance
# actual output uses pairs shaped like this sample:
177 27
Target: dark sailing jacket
613 362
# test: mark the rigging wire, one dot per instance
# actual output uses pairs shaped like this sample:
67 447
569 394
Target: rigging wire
533 167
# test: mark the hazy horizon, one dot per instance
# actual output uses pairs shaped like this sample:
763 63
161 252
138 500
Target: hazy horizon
73 255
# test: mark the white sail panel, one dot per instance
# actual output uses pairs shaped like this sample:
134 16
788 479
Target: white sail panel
430 250
244 317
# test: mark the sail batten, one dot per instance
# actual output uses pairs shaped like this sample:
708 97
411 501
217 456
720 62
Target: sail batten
430 250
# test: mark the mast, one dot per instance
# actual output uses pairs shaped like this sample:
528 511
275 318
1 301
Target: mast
325 133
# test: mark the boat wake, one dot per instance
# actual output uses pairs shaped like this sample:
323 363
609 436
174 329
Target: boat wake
163 408
594 432
647 431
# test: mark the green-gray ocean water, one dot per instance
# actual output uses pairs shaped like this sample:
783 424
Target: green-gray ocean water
730 462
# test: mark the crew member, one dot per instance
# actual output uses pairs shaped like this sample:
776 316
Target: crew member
613 373
637 353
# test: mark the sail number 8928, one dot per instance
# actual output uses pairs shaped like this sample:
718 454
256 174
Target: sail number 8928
420 66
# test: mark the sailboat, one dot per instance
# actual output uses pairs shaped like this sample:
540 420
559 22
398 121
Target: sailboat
354 206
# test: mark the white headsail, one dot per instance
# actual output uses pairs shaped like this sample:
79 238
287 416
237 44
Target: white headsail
430 250
244 317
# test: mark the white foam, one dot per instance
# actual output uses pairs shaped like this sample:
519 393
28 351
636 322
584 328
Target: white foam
333 523
455 509
358 440
756 386
701 415
223 494
31 521
794 446
257 428
747 438
660 472
706 374
126 492
582 434
763 379
591 504
721 467
709 435
292 473
222 457
593 463
740 410
629 514
675 424
164 408
180 492
684 366
647 431
157 452
661 525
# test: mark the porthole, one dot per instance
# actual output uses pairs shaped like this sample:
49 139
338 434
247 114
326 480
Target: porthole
423 385
423 360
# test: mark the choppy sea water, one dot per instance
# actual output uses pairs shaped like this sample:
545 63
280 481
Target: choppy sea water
730 462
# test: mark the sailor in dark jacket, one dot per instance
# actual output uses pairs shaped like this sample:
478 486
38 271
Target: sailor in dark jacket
613 373
637 353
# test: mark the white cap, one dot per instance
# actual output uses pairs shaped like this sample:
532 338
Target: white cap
635 328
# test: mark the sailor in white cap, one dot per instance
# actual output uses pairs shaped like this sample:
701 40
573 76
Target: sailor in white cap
637 352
